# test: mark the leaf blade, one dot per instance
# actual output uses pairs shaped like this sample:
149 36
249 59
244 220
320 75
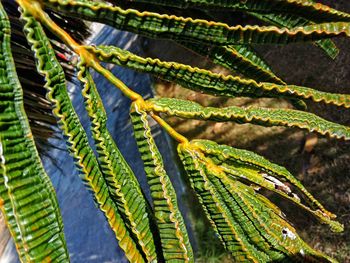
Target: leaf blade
172 230
265 171
27 196
212 83
238 58
77 141
123 185
245 209
260 116
196 30
291 21
305 8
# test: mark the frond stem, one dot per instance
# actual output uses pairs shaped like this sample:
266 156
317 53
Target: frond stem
34 7
89 59
116 82
170 130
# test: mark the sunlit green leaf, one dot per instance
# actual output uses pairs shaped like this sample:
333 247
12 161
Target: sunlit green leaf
122 183
212 83
261 116
172 229
27 196
77 141
249 225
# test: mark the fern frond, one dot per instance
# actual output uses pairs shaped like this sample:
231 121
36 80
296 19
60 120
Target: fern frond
27 196
229 231
77 140
250 166
196 30
122 183
305 8
263 167
226 180
261 116
213 83
249 225
238 58
291 21
329 47
172 229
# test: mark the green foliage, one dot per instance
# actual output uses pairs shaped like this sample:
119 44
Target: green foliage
26 194
214 83
227 181
121 181
261 116
248 224
172 230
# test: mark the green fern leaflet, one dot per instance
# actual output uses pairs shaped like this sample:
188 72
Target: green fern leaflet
226 180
